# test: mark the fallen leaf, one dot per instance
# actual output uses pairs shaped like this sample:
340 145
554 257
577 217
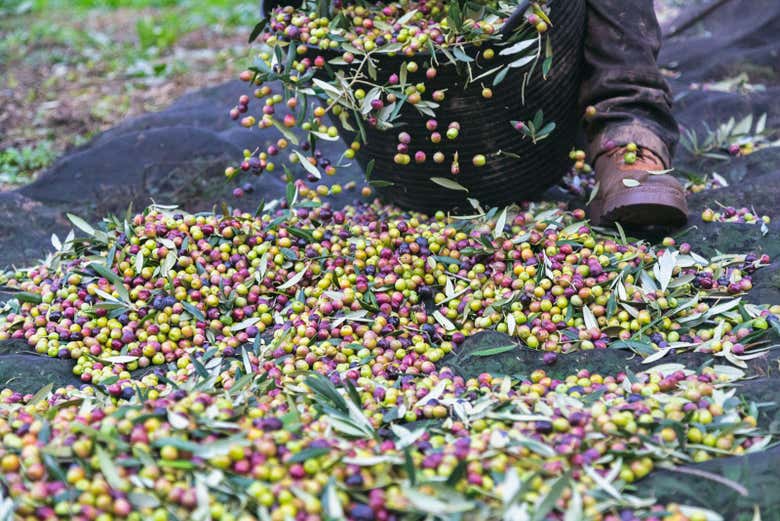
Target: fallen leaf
449 184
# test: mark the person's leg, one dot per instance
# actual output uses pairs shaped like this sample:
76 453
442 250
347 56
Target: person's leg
622 80
633 109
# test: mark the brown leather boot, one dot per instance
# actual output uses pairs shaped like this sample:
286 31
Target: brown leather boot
644 199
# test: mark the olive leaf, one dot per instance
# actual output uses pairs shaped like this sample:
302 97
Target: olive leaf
326 391
500 76
42 393
406 17
662 352
518 47
761 124
521 62
449 184
405 436
574 508
744 126
589 318
664 268
120 359
548 57
381 183
286 132
327 87
25 296
494 350
723 307
139 262
370 168
240 326
195 312
498 231
257 30
141 500
55 241
313 170
603 483
108 469
168 263
325 137
546 502
593 193
461 55
178 421
81 224
511 323
437 506
113 278
444 321
295 279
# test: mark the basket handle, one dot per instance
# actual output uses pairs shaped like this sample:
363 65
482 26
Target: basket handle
515 19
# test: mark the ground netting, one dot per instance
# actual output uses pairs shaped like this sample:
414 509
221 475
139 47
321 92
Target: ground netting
723 59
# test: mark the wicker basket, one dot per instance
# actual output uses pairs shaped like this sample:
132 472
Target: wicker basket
485 127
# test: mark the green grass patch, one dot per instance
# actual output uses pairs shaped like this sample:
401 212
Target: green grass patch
58 49
18 165
52 31
17 7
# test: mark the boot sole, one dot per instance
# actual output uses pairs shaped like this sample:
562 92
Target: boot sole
642 208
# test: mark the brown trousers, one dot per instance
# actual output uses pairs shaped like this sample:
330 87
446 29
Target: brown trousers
621 79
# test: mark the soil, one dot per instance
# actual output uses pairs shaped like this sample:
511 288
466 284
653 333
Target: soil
63 90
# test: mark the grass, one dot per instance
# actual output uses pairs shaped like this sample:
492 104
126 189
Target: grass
17 7
73 68
19 165
158 24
